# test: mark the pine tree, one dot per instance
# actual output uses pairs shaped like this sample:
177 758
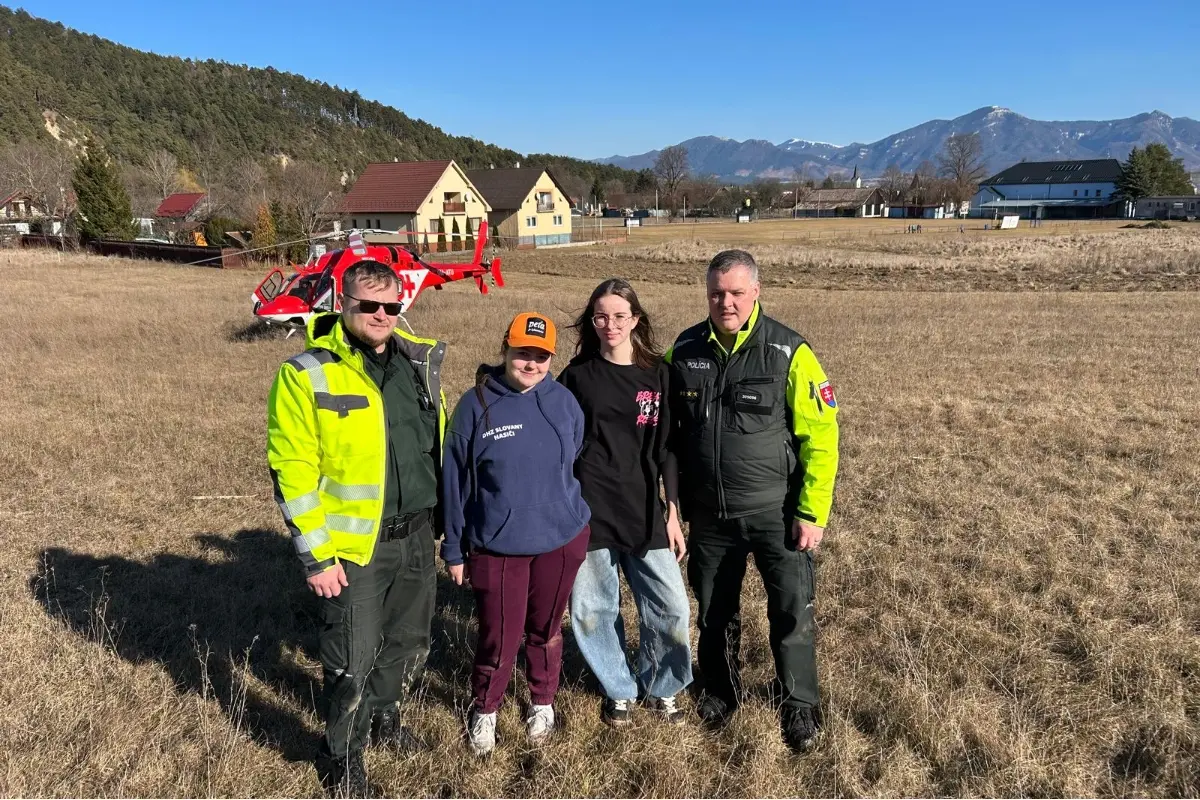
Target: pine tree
264 231
1135 181
104 208
1168 177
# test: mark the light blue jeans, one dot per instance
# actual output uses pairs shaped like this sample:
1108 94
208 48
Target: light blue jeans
664 663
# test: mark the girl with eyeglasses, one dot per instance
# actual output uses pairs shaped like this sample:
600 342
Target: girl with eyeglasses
619 378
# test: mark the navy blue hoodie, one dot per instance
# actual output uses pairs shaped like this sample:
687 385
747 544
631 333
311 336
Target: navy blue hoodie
508 478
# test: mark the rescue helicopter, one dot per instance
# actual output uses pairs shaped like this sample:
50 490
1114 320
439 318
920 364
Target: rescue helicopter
291 298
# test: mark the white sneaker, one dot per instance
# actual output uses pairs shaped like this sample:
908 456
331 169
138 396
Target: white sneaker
481 732
540 723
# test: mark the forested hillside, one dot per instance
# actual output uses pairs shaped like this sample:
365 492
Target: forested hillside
137 104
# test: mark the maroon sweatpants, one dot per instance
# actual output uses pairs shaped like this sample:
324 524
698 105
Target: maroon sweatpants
521 597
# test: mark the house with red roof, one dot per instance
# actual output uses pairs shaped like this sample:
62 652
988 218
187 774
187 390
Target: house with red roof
183 206
428 201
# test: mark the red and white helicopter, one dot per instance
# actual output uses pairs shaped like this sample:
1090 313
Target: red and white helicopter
314 287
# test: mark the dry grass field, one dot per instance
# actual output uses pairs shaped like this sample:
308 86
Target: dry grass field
1008 600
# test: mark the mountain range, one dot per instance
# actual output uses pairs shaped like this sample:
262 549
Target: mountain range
1007 138
59 83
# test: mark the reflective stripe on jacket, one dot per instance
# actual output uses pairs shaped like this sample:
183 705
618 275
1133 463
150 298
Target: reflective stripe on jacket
327 442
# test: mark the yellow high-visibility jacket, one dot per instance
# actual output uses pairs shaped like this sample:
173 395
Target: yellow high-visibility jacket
327 442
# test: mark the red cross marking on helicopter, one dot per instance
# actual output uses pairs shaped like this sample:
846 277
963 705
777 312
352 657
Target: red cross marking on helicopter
407 287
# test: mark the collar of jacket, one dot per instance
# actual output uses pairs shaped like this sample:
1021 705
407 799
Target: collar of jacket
742 335
327 332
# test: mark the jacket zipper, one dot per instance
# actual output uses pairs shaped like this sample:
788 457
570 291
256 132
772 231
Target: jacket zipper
717 428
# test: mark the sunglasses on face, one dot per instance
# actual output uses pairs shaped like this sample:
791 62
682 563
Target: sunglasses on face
371 306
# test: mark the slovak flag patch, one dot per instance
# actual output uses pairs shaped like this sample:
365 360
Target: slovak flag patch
826 389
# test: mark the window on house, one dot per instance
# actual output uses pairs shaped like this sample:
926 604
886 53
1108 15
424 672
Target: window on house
354 223
531 222
1075 193
1097 193
377 225
558 219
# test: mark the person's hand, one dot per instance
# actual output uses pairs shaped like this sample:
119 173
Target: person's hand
456 573
675 540
328 583
807 535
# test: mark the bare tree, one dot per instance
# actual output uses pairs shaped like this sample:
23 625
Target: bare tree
144 198
245 183
767 192
702 190
163 170
43 171
893 182
614 188
310 190
671 167
961 164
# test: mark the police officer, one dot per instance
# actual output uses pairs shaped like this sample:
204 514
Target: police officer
355 425
756 437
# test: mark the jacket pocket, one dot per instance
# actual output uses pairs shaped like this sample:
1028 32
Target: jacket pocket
755 403
531 530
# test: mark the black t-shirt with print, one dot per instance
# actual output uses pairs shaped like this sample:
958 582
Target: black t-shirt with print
624 445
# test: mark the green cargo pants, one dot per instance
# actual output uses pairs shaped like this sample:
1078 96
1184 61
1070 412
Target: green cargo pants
717 551
375 637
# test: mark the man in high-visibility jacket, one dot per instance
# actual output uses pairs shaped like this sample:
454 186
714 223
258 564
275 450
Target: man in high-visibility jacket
354 438
755 438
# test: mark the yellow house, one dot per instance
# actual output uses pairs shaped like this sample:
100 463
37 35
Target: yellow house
529 206
431 203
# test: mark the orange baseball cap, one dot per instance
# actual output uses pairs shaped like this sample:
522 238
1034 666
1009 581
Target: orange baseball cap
530 329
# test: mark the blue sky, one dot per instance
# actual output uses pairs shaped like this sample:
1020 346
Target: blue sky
600 78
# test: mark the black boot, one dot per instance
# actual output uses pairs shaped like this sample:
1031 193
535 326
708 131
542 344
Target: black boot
801 728
714 712
387 731
345 777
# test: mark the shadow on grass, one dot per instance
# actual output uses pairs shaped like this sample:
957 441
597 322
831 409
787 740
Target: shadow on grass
227 628
257 331
240 626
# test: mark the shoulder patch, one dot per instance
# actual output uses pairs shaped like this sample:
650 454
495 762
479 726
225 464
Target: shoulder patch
827 396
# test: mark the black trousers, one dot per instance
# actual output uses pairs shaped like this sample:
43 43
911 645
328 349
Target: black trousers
717 553
375 637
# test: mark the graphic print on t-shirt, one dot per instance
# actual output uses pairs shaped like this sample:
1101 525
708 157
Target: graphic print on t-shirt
648 403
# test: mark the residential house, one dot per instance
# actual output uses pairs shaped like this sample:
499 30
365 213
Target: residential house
1053 190
529 207
180 213
862 201
1179 207
19 206
430 203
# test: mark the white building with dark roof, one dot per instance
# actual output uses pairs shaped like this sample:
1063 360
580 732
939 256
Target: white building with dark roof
1053 190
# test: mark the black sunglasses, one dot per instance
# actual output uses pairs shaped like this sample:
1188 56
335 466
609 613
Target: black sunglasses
371 306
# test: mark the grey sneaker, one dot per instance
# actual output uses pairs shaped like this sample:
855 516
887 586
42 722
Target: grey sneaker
481 733
539 724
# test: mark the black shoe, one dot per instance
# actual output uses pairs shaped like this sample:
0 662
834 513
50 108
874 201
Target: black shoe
668 711
615 712
386 731
714 712
801 728
345 777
